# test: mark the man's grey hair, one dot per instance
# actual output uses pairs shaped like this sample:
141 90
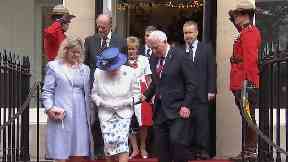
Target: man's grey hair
158 35
150 28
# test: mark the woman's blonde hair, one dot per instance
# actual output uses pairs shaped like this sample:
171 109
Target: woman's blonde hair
69 43
133 41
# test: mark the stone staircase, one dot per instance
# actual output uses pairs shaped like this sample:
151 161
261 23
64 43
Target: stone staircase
43 125
155 160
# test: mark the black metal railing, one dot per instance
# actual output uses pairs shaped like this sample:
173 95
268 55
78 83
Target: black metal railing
273 97
15 96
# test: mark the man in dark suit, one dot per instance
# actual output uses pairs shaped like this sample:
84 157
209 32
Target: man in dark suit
173 87
146 50
204 68
93 46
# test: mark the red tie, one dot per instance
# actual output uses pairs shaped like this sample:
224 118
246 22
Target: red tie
160 67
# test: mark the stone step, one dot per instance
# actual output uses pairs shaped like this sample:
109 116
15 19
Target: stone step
155 160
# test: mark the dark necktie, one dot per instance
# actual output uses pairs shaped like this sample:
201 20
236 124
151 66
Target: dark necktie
104 43
191 49
160 67
148 52
191 53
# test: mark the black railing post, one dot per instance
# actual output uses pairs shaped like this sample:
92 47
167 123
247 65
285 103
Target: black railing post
273 96
265 98
14 92
18 102
9 96
13 99
5 89
2 93
38 108
25 156
276 105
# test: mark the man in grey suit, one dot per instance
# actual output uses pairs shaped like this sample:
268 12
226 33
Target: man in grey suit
204 67
94 45
102 39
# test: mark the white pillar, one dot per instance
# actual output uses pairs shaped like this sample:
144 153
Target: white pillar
107 5
84 23
228 127
228 136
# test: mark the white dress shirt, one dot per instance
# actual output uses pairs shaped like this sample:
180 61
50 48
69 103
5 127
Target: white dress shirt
194 44
146 50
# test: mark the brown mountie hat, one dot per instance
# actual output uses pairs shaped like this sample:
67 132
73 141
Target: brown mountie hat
243 6
61 10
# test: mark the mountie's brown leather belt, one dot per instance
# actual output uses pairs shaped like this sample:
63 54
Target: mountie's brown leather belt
236 60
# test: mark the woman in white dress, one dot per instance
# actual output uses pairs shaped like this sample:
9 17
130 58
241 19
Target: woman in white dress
114 91
143 111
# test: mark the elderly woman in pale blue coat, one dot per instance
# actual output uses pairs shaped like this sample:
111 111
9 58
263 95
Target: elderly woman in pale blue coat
66 100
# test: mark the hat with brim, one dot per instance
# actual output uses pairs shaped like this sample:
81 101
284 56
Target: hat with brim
61 10
243 7
110 59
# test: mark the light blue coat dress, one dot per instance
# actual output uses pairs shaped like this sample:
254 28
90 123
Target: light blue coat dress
59 90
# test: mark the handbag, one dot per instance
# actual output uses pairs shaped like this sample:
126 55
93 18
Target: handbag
134 125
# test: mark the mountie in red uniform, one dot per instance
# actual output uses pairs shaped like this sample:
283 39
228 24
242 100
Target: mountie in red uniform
244 62
53 37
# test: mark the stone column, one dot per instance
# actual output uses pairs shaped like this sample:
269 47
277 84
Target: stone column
228 139
84 23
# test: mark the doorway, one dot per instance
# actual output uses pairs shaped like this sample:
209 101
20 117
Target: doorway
168 16
130 17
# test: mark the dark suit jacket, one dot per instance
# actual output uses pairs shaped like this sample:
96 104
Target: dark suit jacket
142 51
176 86
204 68
92 48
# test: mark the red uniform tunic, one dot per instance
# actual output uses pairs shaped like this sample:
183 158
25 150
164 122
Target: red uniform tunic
53 37
245 51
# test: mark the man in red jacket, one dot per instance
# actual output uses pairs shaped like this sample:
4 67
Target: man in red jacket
54 34
244 66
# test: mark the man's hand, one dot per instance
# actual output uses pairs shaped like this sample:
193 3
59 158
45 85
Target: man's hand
184 112
143 98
